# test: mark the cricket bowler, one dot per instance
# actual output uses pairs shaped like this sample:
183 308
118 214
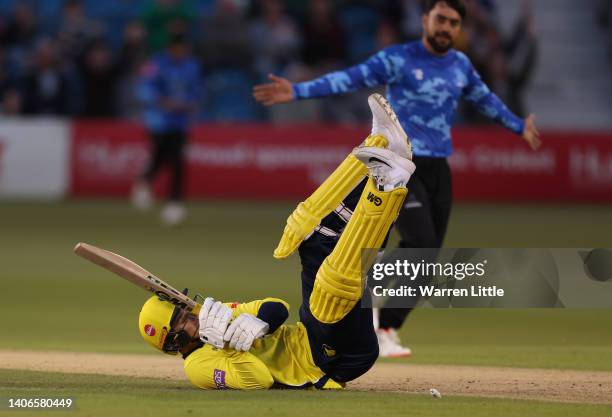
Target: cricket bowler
247 345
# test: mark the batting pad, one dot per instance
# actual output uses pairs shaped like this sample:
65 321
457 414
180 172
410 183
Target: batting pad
338 285
309 213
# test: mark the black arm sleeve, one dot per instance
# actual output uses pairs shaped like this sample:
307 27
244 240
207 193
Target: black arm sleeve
274 314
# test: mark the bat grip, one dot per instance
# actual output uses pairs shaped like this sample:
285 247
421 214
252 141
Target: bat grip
196 310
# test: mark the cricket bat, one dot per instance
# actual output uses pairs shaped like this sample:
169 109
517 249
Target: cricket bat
136 274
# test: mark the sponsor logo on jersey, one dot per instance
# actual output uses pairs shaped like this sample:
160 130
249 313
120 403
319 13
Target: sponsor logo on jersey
219 377
329 351
418 74
374 199
149 330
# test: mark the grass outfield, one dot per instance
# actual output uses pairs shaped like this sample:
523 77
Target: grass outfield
97 395
54 300
64 303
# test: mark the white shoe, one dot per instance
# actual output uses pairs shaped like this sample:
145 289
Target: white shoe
389 170
173 214
142 197
386 123
389 345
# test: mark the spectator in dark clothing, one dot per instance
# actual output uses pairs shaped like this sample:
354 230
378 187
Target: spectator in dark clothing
76 29
133 52
275 38
132 56
323 38
5 78
45 88
11 102
225 43
386 35
18 36
21 27
603 10
521 58
405 17
10 97
99 77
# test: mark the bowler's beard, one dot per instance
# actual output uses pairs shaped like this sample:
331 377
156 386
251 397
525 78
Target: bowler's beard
438 47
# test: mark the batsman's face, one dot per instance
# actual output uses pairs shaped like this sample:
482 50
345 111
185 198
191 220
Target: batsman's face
442 26
188 323
185 326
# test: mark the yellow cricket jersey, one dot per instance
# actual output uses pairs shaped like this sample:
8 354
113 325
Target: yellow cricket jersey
282 357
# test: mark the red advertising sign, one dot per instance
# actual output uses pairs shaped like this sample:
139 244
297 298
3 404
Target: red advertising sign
288 162
224 161
495 165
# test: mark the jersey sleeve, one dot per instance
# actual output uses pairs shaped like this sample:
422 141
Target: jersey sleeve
381 68
273 311
489 104
210 368
252 307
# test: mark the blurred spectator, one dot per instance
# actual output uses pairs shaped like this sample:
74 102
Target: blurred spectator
275 38
21 27
99 76
162 18
18 37
11 103
411 25
604 13
225 42
405 16
604 17
132 56
387 35
483 44
521 52
76 30
505 65
360 20
133 51
45 87
323 46
10 97
5 77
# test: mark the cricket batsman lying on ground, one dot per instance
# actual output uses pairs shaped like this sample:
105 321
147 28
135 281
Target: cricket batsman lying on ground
247 346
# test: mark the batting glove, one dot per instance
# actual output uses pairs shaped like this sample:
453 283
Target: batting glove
244 330
214 317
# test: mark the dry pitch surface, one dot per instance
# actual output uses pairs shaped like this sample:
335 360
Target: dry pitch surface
590 387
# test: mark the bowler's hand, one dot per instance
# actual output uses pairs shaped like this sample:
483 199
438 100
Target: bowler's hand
531 134
214 317
244 330
280 90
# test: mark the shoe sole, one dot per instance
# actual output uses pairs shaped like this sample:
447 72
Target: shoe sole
384 104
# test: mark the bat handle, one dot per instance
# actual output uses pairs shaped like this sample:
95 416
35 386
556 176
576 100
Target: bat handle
196 310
